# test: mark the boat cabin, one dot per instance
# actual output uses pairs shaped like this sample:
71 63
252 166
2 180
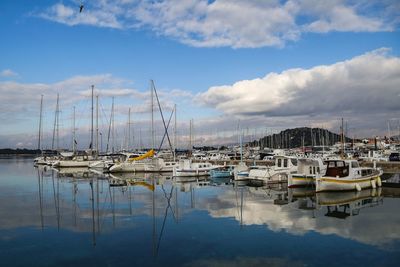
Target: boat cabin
282 162
340 168
308 166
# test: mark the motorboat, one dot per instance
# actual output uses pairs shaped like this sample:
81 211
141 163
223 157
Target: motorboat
342 175
223 172
188 168
284 165
307 171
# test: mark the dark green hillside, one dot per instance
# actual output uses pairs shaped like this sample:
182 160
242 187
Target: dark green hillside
297 137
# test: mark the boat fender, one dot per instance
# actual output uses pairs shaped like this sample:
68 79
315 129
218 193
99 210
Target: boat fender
373 192
373 184
379 181
290 180
358 187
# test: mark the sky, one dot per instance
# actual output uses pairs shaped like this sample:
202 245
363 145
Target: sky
258 66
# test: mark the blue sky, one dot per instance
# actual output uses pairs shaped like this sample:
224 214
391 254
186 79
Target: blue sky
204 57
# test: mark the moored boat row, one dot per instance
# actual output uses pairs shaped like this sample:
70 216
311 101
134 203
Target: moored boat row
328 175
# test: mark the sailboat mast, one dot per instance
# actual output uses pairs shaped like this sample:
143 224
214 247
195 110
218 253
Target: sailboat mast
175 133
58 125
91 130
129 129
109 126
55 127
152 114
241 145
342 139
113 126
97 124
190 137
74 134
40 123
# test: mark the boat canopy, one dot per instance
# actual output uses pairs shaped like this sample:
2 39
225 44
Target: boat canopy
144 156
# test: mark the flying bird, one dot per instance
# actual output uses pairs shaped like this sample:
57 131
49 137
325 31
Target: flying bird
81 8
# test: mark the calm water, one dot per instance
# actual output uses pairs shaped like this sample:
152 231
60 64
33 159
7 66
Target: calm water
49 218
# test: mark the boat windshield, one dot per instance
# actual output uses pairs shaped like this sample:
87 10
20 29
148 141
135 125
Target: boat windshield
285 163
337 169
294 161
354 164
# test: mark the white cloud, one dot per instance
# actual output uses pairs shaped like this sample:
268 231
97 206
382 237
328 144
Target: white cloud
258 208
19 101
18 96
367 84
8 73
221 23
233 23
19 105
180 93
71 16
116 92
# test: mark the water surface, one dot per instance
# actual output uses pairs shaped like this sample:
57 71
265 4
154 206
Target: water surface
75 218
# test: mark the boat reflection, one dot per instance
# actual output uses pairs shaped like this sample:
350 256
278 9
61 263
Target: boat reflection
84 201
338 204
300 210
97 203
278 193
351 201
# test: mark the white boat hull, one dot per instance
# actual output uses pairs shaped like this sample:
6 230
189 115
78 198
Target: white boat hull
301 180
71 163
101 164
268 175
186 168
191 173
136 166
132 167
41 162
342 184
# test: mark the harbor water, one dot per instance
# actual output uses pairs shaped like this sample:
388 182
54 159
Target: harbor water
77 218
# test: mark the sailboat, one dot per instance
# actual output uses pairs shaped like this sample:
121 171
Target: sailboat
149 162
188 168
241 171
140 163
41 160
70 159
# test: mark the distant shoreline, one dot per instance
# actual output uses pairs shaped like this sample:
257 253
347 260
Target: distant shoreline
19 152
